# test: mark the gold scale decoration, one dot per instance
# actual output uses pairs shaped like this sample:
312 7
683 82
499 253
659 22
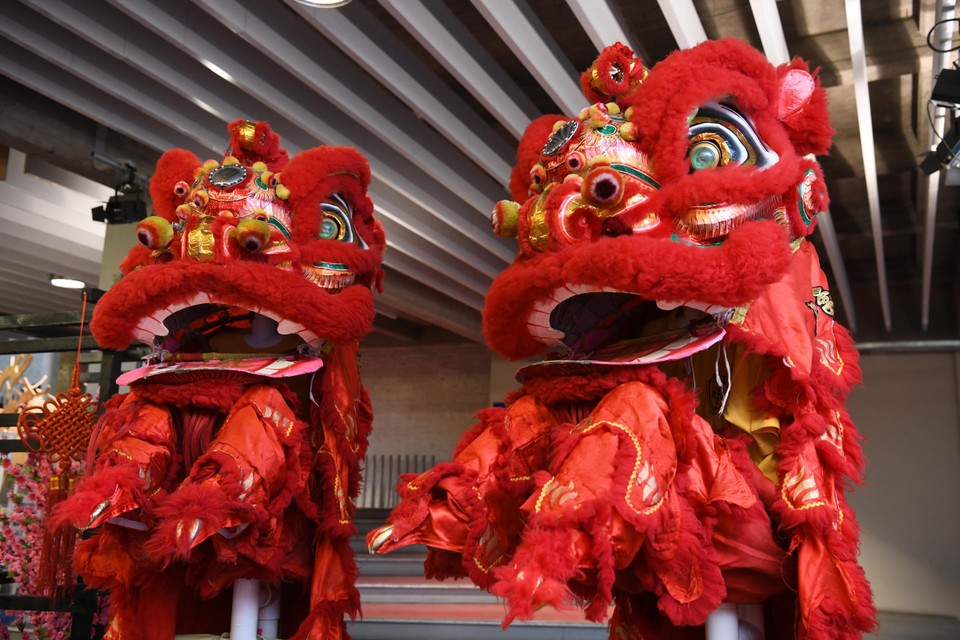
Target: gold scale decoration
60 429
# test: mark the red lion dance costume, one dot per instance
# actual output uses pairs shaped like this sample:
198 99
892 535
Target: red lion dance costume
685 443
236 451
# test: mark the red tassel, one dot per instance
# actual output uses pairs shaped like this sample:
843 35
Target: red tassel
55 575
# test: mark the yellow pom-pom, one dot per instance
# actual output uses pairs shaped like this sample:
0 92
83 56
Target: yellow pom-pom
259 166
613 109
210 165
282 192
230 160
505 217
628 114
628 132
252 235
155 232
184 211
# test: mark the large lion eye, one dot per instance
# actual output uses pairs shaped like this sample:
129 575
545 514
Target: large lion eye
331 227
720 136
708 154
336 222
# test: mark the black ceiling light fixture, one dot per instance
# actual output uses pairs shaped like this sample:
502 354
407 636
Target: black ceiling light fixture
128 203
946 94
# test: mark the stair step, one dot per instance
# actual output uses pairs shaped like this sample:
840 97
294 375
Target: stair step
430 621
419 590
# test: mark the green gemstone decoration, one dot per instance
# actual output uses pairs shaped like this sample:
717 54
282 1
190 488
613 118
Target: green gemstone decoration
328 229
704 157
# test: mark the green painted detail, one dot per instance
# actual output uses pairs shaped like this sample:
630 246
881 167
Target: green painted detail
607 129
677 238
260 184
636 173
705 157
279 225
333 266
328 229
807 220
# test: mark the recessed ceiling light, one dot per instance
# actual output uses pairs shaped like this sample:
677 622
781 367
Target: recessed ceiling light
67 283
324 4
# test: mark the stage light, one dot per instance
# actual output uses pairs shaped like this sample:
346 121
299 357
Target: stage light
67 283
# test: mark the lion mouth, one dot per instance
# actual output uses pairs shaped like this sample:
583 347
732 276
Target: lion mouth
204 334
591 326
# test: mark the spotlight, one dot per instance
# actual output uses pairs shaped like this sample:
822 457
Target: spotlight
946 93
127 205
66 283
946 154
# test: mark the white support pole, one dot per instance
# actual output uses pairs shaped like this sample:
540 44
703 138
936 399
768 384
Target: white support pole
243 616
723 623
268 620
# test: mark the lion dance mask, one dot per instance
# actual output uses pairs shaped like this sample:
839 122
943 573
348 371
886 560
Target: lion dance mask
236 452
684 443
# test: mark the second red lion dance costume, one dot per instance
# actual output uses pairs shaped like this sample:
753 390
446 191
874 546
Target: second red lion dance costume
686 443
236 452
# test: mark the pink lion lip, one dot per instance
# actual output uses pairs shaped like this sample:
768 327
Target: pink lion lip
667 347
265 367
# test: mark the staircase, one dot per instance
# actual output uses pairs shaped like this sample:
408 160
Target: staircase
398 602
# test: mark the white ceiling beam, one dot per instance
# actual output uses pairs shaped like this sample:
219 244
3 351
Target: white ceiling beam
149 52
325 70
85 248
17 205
146 52
23 246
437 29
774 43
49 80
537 51
416 301
412 267
378 51
412 244
301 110
62 181
829 236
599 19
930 185
684 22
858 57
48 200
76 56
390 204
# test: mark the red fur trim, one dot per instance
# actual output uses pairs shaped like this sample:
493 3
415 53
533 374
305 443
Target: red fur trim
176 165
205 503
326 620
657 269
94 489
540 571
691 585
345 316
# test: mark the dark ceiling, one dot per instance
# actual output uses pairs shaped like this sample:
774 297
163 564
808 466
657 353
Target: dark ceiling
409 84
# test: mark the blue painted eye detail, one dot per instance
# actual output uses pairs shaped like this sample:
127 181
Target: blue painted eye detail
705 154
336 222
721 127
331 228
